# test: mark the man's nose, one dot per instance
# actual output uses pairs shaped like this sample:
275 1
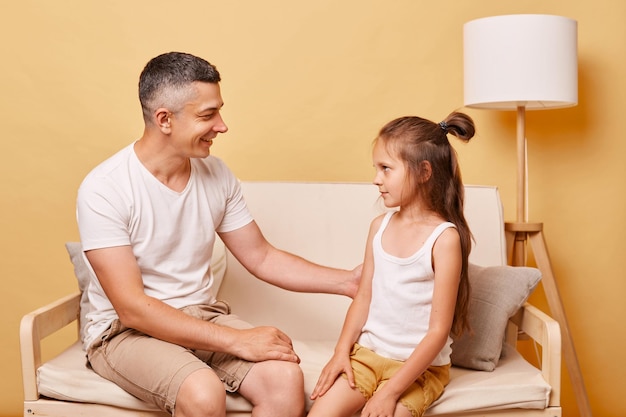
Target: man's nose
220 126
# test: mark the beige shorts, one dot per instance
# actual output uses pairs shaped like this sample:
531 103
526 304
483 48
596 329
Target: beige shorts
129 358
371 371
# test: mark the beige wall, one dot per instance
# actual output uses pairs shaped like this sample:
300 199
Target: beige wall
307 85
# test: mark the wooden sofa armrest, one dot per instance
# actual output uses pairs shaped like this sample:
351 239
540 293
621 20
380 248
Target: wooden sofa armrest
545 331
34 327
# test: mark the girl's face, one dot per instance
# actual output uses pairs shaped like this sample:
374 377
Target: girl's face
390 175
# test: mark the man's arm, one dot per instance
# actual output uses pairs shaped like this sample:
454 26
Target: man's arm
120 277
284 269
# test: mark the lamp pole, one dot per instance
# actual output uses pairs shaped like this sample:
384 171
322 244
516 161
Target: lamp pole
521 163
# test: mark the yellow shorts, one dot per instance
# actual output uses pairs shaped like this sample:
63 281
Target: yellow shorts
371 371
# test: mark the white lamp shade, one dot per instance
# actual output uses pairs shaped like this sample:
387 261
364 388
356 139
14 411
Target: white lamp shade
520 60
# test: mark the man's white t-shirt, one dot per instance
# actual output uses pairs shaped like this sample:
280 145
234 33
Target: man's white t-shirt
171 233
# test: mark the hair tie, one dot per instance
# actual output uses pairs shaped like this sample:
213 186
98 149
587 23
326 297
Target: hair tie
444 126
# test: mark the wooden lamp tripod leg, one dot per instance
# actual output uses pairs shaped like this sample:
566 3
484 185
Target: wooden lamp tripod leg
518 234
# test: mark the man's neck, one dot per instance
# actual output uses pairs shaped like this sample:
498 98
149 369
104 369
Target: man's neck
159 159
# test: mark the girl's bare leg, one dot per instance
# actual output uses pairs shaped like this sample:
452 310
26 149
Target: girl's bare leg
339 401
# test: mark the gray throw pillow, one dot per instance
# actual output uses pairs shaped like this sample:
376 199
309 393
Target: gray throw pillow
497 292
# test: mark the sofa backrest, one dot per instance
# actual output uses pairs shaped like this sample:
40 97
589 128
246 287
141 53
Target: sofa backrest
328 223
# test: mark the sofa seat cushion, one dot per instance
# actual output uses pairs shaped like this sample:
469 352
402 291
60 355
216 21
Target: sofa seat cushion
514 383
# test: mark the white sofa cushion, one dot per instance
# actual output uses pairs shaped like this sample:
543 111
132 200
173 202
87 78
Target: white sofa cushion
516 382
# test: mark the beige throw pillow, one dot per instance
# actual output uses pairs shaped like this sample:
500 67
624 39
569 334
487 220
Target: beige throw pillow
497 292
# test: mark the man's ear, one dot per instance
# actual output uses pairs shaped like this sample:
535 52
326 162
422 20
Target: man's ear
162 117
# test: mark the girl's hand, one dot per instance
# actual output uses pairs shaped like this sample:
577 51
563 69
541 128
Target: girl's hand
380 405
337 365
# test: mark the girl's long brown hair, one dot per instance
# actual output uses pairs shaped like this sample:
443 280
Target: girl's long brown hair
416 140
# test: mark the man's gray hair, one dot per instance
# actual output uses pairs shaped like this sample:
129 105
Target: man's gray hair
166 81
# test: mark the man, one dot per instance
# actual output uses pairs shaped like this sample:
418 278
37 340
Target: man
147 218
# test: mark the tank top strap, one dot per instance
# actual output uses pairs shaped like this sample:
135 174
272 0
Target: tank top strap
430 242
383 225
386 219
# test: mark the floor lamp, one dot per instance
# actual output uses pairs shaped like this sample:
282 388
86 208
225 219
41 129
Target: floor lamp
526 62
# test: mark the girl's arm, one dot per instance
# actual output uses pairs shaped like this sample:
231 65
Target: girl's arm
447 266
353 323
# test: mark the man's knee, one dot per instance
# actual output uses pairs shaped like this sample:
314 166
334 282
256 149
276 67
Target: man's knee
287 375
273 380
202 394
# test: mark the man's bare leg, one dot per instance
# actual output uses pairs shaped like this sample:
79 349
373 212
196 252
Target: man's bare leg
275 389
202 394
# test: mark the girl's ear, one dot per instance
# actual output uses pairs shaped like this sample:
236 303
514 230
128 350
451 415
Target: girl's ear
425 171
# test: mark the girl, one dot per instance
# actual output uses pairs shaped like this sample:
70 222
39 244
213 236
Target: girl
394 350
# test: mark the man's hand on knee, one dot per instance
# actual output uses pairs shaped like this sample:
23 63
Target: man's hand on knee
264 343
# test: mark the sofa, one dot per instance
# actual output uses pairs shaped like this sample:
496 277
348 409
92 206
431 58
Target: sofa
327 223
